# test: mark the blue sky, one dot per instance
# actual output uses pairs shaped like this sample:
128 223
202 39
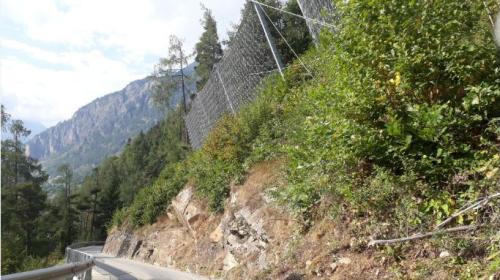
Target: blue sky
58 55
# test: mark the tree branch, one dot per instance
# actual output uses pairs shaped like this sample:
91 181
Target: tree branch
420 235
476 205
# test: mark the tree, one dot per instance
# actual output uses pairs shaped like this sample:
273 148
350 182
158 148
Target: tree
109 201
93 192
30 204
84 208
67 228
18 132
166 72
5 119
23 200
165 81
295 30
208 49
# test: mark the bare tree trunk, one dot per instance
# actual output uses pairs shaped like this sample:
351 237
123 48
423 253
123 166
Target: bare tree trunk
92 222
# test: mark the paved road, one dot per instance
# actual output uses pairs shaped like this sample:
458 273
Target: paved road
109 267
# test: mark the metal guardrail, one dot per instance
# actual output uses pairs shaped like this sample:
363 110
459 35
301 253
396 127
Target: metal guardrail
66 271
79 265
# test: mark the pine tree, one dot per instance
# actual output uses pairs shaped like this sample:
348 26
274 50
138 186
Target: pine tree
295 30
30 204
18 132
23 200
166 80
109 200
5 118
208 49
66 180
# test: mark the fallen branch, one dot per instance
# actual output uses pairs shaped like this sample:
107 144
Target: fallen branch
420 235
476 205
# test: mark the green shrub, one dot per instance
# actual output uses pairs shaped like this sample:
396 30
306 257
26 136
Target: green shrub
231 143
153 200
167 186
32 263
405 103
119 217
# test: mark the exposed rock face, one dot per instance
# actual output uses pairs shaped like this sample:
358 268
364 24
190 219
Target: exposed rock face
99 129
238 243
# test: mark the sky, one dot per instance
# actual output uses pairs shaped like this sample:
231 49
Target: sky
58 55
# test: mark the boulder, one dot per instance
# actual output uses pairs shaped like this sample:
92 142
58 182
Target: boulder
217 235
182 200
229 261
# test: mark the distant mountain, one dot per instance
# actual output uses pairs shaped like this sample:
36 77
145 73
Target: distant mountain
33 126
99 129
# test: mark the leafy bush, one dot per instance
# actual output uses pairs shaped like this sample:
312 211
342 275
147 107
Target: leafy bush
152 201
223 156
406 102
33 263
119 217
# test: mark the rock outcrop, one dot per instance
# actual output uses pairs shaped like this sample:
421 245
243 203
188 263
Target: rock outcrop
241 241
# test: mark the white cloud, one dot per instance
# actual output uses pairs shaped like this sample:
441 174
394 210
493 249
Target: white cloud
139 27
68 52
48 95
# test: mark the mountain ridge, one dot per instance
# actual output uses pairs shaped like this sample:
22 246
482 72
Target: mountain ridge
100 128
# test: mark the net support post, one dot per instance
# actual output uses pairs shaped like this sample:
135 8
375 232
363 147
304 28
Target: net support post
225 91
270 39
311 31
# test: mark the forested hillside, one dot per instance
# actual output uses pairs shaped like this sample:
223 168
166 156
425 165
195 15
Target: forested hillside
36 228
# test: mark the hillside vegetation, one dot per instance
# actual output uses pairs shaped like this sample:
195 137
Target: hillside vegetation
398 128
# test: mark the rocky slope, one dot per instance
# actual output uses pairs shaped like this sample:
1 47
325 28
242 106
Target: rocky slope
257 239
244 239
253 239
99 129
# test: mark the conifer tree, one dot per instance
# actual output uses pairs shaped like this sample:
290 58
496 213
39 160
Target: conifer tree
67 229
167 75
23 200
208 49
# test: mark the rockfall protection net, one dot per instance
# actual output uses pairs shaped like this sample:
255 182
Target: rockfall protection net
321 11
233 80
245 63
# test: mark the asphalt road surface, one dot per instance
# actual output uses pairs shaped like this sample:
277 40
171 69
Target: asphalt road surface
110 267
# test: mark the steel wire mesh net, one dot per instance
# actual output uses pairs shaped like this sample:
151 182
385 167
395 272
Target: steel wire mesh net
320 11
248 59
234 79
